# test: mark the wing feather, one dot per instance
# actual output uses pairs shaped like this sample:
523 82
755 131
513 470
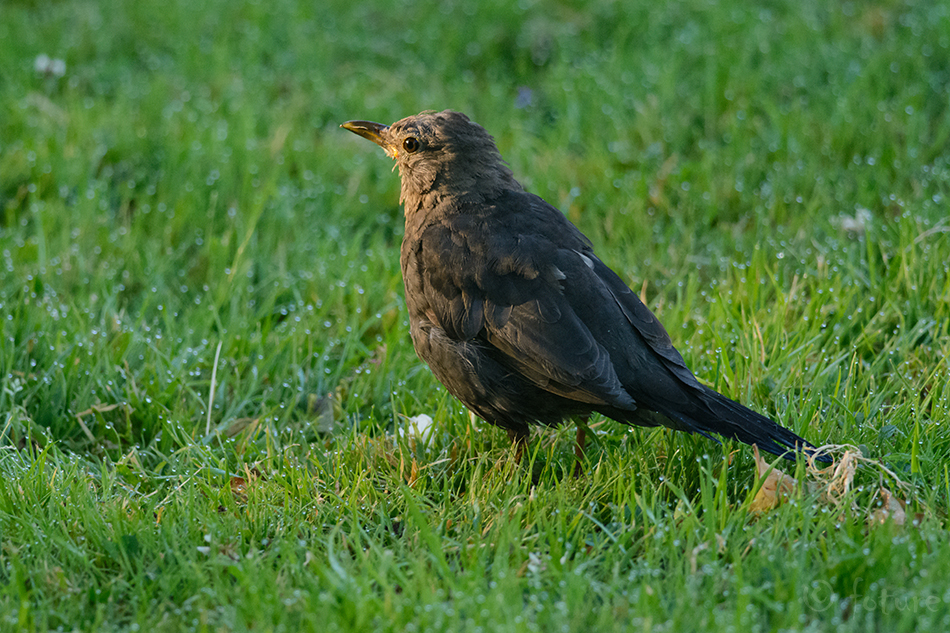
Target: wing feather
514 305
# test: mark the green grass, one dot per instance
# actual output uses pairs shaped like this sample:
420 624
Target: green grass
778 172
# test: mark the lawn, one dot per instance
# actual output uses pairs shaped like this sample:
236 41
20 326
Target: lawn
207 378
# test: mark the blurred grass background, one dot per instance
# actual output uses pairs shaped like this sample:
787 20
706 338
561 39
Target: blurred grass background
177 202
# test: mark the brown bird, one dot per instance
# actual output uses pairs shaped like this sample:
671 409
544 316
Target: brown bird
517 316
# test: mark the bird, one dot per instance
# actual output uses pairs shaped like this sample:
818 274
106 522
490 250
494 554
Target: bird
517 316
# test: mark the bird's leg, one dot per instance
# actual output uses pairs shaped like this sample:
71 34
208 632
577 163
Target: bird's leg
519 439
580 444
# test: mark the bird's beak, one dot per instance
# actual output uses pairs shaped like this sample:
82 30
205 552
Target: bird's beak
368 130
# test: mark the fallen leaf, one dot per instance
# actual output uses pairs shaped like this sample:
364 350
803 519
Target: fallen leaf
776 486
239 486
891 508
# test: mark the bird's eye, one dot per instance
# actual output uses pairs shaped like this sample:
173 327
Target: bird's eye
411 145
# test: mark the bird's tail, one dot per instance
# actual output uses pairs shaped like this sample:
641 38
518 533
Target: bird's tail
730 419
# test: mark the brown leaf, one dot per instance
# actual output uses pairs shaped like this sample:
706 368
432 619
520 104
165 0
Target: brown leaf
776 486
238 485
891 508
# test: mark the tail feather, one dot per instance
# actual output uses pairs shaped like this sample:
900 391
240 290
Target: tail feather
730 419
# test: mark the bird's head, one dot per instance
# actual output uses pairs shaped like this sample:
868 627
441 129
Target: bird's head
440 155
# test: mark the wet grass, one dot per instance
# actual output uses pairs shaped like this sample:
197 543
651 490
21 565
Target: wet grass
205 357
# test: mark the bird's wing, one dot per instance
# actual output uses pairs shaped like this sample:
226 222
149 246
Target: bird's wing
506 288
643 321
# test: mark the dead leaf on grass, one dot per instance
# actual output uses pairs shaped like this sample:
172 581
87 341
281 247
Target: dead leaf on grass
891 508
776 486
239 485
